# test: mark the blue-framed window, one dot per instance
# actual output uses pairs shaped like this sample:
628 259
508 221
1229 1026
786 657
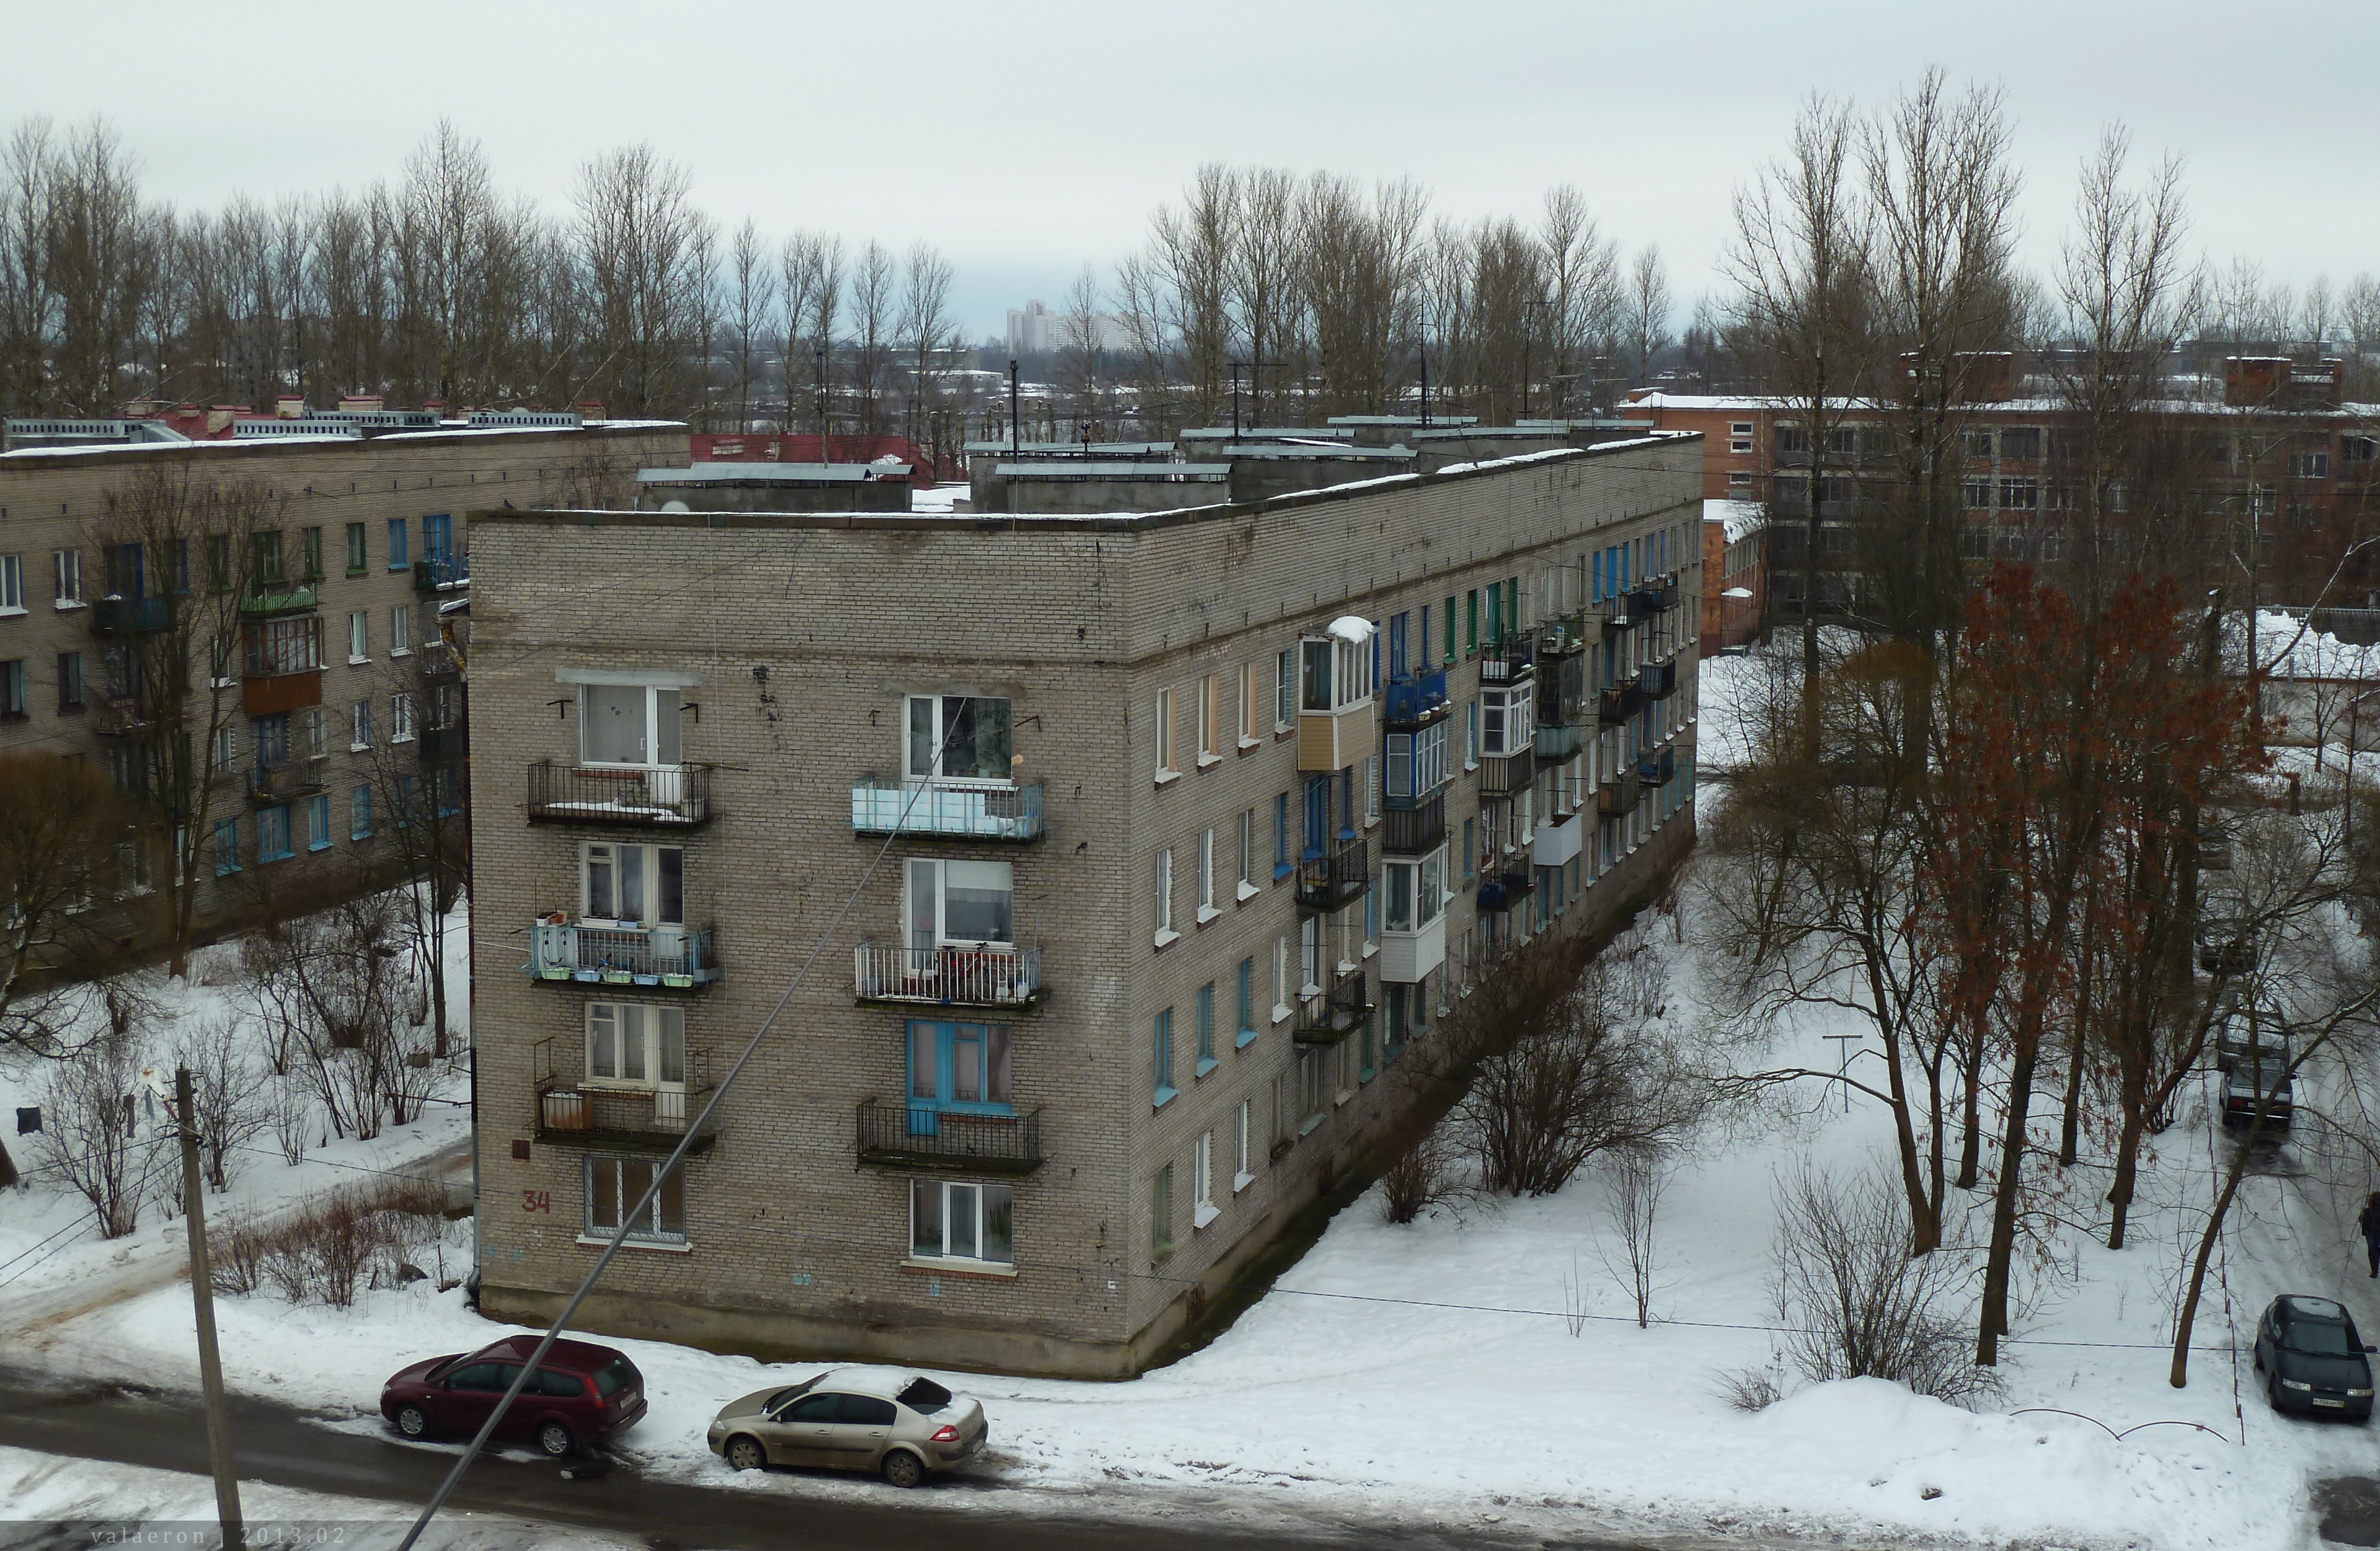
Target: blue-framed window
359 813
1317 815
1206 1028
1163 1054
958 1066
438 537
1280 868
1248 994
1425 659
1372 914
404 785
1397 627
226 846
318 822
396 551
272 834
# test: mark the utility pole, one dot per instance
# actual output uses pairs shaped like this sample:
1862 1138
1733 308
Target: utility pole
203 1295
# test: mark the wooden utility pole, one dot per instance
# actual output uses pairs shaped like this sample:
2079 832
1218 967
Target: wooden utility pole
202 1295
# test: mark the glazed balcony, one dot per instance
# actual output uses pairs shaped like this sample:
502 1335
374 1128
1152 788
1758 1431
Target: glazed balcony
267 598
658 796
989 975
1415 702
901 1135
678 958
439 572
1507 775
1561 741
1657 681
1415 831
1656 767
131 616
1620 703
946 809
1505 891
1336 1013
1337 877
574 1112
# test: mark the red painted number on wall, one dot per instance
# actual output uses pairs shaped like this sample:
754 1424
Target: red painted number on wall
537 1201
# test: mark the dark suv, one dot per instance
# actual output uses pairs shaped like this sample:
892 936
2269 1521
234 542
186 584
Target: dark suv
580 1394
2312 1360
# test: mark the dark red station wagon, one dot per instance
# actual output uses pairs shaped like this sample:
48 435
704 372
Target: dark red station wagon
580 1394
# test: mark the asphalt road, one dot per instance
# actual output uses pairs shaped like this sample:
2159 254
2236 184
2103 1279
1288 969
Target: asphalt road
278 1444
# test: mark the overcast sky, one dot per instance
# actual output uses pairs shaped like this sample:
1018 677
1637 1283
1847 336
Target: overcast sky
1026 139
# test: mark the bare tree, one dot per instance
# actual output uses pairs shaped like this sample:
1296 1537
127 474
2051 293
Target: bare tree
874 281
1633 1186
90 1113
233 1103
1080 352
60 831
1582 292
753 299
644 246
1646 319
927 328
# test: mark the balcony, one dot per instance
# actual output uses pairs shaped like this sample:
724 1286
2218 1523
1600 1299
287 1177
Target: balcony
1506 663
1415 700
985 975
123 716
663 796
899 1135
1614 613
1507 775
1328 741
1617 797
1505 891
269 598
1335 877
574 1113
440 571
1415 831
1557 842
1657 680
1653 597
1656 767
1559 741
272 694
1335 1015
437 662
1406 957
283 780
131 616
440 743
945 809
677 957
1620 703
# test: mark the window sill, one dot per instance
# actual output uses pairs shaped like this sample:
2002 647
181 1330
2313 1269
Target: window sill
605 1242
1163 1096
64 604
1305 1127
990 1270
1308 993
400 565
1208 913
400 651
1208 761
360 748
1469 765
1242 1181
1165 940
1167 778
1249 746
1342 1095
1205 1065
1203 1214
11 612
1281 730
1280 1014
1370 949
1281 870
319 845
1244 1039
359 662
1246 892
403 738
359 571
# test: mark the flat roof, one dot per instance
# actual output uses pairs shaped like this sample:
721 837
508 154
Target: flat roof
287 446
1079 448
1267 434
1334 450
1085 469
773 474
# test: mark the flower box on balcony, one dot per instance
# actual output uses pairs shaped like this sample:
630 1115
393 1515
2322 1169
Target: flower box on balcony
617 977
554 971
588 975
678 981
562 1109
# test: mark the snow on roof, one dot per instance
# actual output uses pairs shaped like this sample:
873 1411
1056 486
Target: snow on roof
868 1379
2290 647
770 474
1741 518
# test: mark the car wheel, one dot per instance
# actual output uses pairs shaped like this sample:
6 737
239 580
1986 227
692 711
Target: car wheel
745 1453
902 1468
413 1422
2273 1391
556 1441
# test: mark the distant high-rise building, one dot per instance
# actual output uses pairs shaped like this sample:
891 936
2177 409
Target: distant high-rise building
1034 330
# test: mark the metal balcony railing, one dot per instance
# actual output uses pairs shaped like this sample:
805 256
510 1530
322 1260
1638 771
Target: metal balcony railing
1336 1013
677 957
943 808
112 616
1415 831
122 716
670 796
445 742
574 1111
1415 700
1620 702
1560 741
1504 891
268 597
1656 680
1507 775
1618 795
1506 663
441 571
282 780
1337 877
954 975
903 1135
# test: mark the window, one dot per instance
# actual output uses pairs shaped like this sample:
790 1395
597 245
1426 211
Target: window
67 574
400 630
360 727
958 1066
396 552
438 536
1976 443
953 737
632 1043
2310 466
628 724
1247 1000
969 903
1416 762
310 732
1161 1057
265 555
1280 837
1792 439
1207 911
273 740
1202 1182
358 638
281 646
1165 932
1469 850
1240 1178
227 750
1738 485
616 1188
1161 1213
1372 788
318 822
1416 890
632 885
2019 495
1244 716
400 719
1423 659
1333 675
310 552
1471 621
69 680
1471 735
1206 1020
1280 978
12 583
359 813
226 846
1247 887
1507 722
950 1219
357 561
1284 692
1166 765
1210 719
272 834
1975 494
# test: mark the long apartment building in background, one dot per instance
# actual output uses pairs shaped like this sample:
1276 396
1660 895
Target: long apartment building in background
340 667
1112 859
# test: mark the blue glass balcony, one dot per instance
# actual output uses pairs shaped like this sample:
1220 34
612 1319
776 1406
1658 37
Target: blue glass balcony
946 809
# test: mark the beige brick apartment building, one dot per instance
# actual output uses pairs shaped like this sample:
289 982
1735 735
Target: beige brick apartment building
371 546
1124 854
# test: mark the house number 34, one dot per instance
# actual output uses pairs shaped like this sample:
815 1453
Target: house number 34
537 1201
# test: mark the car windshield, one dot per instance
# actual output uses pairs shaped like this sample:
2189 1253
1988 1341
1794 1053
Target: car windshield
614 1376
2319 1337
925 1397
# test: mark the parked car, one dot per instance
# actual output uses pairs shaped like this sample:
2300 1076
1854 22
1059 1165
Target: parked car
580 1394
892 1421
2246 1084
2312 1360
2238 1029
2227 944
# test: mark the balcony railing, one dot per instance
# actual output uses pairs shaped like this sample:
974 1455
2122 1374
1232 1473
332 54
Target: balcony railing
945 809
1415 831
1335 1015
112 616
122 716
1504 891
1657 766
575 1113
1559 741
1653 597
1620 702
1415 700
276 598
1617 797
441 571
1337 877
1656 680
677 957
1506 663
439 744
670 796
284 780
902 1135
1507 775
955 974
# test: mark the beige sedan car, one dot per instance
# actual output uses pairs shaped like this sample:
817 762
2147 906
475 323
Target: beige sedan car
889 1421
